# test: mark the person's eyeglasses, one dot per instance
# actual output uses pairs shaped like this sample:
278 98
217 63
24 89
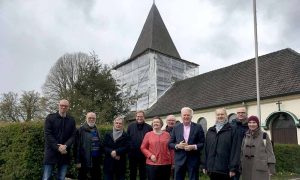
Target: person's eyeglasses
241 112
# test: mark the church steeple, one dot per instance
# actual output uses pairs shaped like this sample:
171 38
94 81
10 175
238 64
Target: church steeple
155 36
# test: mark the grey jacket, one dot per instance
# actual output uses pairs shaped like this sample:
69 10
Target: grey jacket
257 156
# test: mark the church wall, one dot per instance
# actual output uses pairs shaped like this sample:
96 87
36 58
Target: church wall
289 103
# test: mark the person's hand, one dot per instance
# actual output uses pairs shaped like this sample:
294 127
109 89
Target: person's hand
62 148
113 154
153 158
117 157
204 171
78 165
189 147
181 145
231 174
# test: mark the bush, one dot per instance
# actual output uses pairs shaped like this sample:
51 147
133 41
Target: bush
22 150
287 158
22 147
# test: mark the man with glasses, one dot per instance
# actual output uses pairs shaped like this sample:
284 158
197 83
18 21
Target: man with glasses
241 125
59 131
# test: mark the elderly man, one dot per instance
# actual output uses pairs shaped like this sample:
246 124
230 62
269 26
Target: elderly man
88 149
116 146
59 133
171 121
137 131
241 125
187 138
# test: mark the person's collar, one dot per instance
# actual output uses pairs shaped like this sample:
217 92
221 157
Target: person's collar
188 125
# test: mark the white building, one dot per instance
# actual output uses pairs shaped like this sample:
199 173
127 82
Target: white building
154 64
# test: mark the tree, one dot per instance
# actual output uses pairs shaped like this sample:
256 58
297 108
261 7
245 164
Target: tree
9 110
32 106
88 85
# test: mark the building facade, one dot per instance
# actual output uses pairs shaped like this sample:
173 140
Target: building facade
235 86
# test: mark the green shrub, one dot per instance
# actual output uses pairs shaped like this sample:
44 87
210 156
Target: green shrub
22 150
287 158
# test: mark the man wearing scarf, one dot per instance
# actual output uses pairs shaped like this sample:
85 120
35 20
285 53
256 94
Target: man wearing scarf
116 146
220 158
88 149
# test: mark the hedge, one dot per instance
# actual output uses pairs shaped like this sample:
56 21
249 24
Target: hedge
22 146
287 158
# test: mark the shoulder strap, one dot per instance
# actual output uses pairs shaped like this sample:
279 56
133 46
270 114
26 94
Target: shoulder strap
265 138
265 135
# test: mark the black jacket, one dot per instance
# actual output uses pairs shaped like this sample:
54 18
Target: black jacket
58 130
121 146
220 150
137 132
83 145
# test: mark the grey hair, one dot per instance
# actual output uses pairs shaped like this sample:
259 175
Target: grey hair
188 109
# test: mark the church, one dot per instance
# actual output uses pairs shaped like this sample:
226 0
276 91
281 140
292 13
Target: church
164 83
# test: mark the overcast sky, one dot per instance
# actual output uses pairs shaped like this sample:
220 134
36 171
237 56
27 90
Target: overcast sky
211 33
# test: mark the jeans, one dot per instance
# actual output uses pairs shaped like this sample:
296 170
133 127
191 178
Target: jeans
61 171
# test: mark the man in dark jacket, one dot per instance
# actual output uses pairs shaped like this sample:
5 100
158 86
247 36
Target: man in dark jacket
137 131
220 158
59 133
171 121
88 149
187 139
241 125
116 146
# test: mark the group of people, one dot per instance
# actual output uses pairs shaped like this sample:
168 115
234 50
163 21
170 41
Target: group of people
230 149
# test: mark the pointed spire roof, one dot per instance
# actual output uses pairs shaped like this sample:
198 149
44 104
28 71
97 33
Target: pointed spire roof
155 36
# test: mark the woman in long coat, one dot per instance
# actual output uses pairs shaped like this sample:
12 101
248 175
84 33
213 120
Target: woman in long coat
257 156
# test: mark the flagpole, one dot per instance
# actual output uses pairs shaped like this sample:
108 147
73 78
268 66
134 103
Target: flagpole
256 62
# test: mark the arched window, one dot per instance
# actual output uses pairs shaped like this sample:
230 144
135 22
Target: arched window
231 117
203 122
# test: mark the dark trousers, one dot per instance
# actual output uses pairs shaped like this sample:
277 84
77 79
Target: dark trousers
218 176
90 173
116 176
180 171
156 172
137 163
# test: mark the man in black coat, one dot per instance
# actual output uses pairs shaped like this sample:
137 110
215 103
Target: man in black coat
187 138
59 134
88 149
137 131
220 158
116 146
241 125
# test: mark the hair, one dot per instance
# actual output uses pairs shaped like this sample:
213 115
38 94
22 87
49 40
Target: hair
188 109
119 118
223 109
161 121
140 111
171 116
89 113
